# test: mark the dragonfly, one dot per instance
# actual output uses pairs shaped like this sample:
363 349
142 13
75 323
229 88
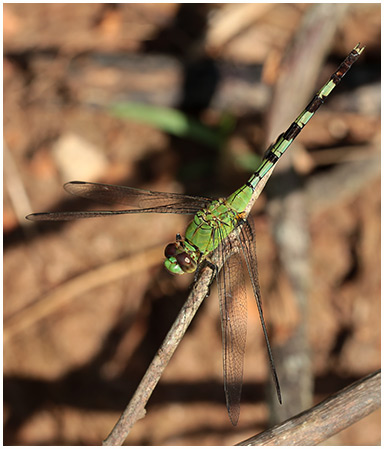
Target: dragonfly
219 226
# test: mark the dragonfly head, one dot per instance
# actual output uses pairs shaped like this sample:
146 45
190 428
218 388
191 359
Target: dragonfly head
179 259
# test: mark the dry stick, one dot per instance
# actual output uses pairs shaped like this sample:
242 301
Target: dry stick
331 416
136 408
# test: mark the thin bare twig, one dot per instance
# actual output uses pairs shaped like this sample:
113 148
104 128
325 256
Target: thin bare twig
136 408
331 416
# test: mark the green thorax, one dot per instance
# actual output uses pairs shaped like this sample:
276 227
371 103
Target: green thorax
212 225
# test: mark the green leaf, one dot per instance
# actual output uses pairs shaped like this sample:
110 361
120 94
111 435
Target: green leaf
173 122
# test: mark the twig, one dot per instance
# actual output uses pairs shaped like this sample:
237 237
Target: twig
136 408
331 416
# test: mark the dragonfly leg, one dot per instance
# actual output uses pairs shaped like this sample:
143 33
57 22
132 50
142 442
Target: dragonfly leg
214 269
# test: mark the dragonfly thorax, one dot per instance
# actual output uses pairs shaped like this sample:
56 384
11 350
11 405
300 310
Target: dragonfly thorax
181 256
210 226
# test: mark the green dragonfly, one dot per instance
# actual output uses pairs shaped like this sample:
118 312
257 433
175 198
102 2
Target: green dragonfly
213 222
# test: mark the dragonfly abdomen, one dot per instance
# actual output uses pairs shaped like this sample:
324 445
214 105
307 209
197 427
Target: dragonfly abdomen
276 150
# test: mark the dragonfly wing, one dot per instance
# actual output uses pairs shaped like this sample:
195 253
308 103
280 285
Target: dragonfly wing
146 200
139 200
65 216
248 247
233 311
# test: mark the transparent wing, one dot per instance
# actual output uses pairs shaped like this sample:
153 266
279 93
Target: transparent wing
248 247
233 311
139 201
136 198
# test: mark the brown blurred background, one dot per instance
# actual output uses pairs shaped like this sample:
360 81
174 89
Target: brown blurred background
87 303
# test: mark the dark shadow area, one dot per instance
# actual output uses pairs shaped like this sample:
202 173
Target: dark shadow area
180 36
331 383
184 39
86 389
355 268
342 337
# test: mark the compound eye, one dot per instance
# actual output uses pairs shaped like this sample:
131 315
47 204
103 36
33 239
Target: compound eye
170 250
185 261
